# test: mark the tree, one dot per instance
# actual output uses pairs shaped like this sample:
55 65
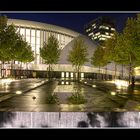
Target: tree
98 58
12 45
111 51
50 52
7 39
124 48
26 54
78 55
131 45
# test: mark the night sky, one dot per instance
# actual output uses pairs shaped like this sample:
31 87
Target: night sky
74 21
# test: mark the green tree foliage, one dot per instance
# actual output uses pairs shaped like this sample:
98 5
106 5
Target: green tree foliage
98 59
12 45
78 55
50 52
131 45
124 48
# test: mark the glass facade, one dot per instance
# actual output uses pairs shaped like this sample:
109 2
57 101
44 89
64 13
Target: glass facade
36 38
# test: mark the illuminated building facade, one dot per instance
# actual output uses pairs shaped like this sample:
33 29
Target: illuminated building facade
100 29
36 33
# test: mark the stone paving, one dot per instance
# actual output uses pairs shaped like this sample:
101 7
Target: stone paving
97 100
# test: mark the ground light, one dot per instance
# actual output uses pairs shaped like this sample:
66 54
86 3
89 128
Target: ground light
113 93
18 92
8 80
93 85
121 84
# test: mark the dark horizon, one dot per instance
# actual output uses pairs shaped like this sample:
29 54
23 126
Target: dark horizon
73 21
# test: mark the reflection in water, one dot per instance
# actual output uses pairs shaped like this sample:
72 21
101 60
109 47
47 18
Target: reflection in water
64 86
71 107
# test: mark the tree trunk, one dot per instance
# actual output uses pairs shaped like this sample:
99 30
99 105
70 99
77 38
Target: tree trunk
26 70
12 68
106 73
133 78
20 69
2 69
122 71
115 71
129 73
78 73
49 72
99 73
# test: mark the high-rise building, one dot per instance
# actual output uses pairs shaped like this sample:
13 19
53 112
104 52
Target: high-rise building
100 29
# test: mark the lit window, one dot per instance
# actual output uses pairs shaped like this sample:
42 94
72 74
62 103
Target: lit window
16 62
106 36
58 37
71 74
101 38
87 30
22 31
97 33
113 29
93 25
111 34
33 47
103 27
90 34
67 74
32 40
28 39
62 74
27 32
37 40
32 32
37 49
106 33
38 33
17 30
82 75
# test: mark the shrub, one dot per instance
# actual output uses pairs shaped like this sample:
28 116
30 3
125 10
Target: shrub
77 98
52 99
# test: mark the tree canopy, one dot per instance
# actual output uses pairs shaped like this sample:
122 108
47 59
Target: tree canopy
50 51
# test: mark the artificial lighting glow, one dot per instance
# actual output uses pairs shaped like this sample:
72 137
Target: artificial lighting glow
85 82
6 86
18 92
35 85
67 74
71 74
82 75
67 83
93 85
7 80
62 74
121 84
113 93
62 83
